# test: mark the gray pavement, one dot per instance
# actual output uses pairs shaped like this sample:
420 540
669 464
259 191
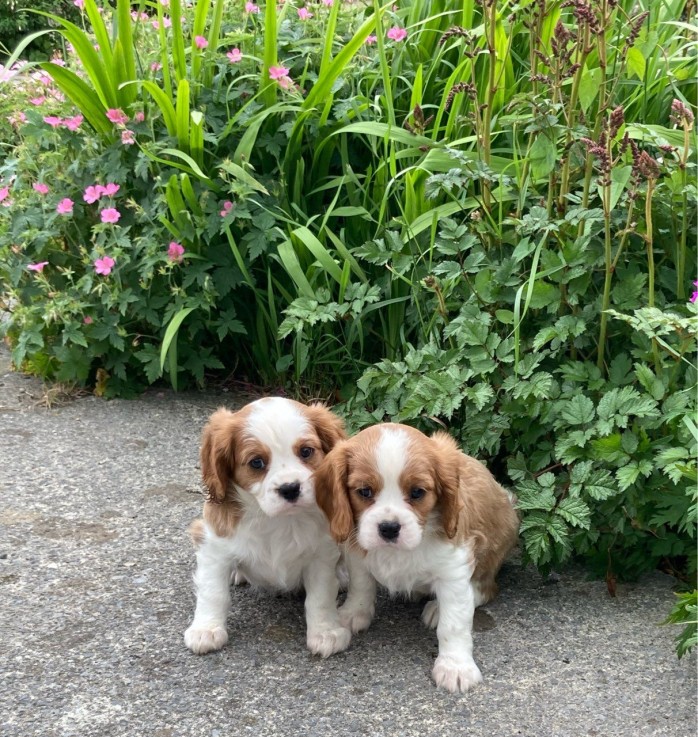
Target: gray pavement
96 591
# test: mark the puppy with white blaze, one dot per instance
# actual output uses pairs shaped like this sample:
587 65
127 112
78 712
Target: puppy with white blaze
261 523
420 517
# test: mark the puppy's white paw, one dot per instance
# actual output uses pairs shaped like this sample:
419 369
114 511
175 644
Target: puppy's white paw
202 640
455 674
356 618
430 614
329 641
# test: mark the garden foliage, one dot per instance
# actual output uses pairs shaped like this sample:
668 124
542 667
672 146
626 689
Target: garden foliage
478 215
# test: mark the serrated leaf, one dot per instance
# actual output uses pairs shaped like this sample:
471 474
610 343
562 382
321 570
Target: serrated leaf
627 476
600 485
578 411
537 544
558 530
580 472
574 511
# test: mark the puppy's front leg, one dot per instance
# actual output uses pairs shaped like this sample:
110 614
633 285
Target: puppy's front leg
214 566
325 632
357 611
455 669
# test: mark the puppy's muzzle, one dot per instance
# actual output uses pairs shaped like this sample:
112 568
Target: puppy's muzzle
290 492
389 531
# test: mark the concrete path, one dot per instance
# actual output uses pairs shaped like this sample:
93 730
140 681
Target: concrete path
96 591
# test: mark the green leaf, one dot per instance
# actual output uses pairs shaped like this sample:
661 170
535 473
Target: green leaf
574 511
543 156
578 411
529 495
589 87
171 334
537 543
636 62
600 485
620 176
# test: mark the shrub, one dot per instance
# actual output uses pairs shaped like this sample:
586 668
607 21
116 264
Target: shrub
455 216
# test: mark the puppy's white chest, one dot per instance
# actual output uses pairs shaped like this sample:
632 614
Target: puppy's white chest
416 571
272 552
400 571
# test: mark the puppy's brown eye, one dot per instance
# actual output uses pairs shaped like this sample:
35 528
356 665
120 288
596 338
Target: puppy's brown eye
417 493
365 491
305 452
257 464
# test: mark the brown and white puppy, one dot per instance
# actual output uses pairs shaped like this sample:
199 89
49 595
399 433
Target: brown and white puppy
419 516
261 522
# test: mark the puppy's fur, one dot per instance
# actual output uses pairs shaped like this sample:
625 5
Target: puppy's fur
261 523
419 516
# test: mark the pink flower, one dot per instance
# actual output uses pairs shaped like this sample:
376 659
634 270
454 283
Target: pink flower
65 206
87 319
251 8
285 83
40 187
167 22
165 3
397 34
175 252
278 72
110 215
128 138
328 3
694 296
58 61
92 193
200 42
156 25
227 207
155 66
110 189
117 116
234 56
370 40
53 121
37 267
17 119
73 124
79 4
37 100
139 117
104 265
4 193
304 14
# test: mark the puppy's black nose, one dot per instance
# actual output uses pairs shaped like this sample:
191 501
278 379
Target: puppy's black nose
290 492
389 530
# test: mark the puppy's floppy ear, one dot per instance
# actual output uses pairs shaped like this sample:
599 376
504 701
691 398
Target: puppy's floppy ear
448 464
329 427
221 510
331 492
218 453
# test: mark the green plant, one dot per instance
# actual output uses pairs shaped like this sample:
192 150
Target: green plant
478 215
685 612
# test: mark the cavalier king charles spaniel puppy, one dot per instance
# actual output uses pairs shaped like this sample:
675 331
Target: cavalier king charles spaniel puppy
420 517
261 523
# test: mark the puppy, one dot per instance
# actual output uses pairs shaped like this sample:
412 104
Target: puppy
261 522
420 517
